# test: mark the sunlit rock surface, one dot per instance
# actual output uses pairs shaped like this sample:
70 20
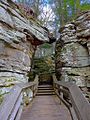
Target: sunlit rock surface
73 51
19 38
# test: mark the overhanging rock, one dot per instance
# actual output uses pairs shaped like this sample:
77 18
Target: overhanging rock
19 37
14 19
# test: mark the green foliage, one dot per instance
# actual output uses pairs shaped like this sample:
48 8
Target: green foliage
67 10
44 65
46 46
85 7
64 10
1 99
31 76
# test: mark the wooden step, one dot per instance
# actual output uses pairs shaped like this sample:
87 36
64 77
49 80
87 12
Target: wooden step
45 86
45 91
44 94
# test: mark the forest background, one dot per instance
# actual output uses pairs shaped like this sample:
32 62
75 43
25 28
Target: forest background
53 14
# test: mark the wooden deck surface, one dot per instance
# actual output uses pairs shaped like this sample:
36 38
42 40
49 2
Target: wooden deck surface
46 108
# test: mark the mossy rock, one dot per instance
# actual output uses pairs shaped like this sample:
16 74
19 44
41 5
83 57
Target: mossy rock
31 76
1 99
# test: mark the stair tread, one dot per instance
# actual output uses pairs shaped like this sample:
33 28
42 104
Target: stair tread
45 91
45 94
44 86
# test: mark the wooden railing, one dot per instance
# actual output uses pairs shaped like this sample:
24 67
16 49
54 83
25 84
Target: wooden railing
13 103
74 99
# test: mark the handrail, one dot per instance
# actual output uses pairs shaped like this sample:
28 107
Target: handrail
79 103
11 103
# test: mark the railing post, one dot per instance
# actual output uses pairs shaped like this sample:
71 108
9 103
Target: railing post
33 91
58 89
59 92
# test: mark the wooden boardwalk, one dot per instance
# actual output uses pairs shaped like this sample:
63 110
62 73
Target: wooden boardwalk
45 105
46 108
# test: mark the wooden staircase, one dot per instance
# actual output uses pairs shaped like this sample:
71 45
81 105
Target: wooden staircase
44 90
47 104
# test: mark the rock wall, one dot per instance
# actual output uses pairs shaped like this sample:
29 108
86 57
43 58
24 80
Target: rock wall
73 51
19 38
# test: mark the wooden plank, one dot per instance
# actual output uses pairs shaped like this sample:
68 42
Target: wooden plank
46 108
9 103
16 108
19 113
73 114
12 102
79 102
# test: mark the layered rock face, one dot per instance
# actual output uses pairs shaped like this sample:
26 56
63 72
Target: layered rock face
73 51
19 38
